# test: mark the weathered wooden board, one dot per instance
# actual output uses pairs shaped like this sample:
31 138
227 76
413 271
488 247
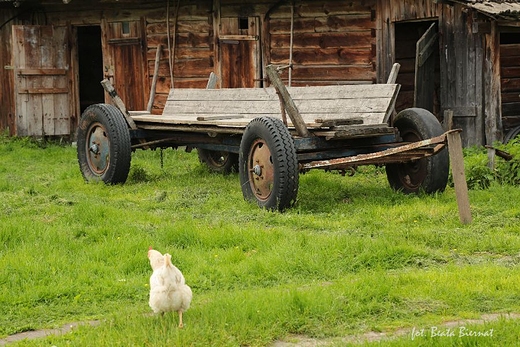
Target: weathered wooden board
42 90
320 107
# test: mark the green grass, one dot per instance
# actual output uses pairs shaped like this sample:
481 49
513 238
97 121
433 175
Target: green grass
351 257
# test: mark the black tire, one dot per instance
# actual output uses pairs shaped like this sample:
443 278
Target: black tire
429 174
104 144
511 134
268 166
219 161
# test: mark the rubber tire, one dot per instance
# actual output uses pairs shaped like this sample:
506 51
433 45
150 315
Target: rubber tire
511 134
428 174
285 171
219 161
106 124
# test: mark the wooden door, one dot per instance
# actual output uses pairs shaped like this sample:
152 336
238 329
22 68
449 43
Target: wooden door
240 52
127 68
427 46
41 60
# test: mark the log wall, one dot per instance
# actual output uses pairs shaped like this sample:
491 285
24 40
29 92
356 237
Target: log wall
510 79
334 42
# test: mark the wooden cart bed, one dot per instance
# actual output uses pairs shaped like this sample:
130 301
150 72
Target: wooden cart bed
358 106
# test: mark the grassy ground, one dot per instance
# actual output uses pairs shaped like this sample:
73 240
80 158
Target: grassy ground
351 257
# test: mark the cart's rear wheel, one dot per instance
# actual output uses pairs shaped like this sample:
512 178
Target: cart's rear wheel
219 161
428 174
268 165
104 144
512 134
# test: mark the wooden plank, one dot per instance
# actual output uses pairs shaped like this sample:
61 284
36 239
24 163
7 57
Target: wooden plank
354 131
459 177
323 56
337 122
118 102
43 91
220 117
334 107
154 78
238 38
425 69
348 92
42 71
335 39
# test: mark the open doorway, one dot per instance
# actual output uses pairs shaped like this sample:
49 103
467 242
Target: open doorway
407 35
90 70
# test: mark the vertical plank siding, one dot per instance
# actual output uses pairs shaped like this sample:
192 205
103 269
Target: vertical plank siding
7 109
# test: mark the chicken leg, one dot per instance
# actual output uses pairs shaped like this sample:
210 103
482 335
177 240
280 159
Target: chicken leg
180 320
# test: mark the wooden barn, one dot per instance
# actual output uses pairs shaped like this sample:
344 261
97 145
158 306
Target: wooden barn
459 59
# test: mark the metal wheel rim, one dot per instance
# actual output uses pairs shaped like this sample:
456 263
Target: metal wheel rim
98 148
261 170
218 158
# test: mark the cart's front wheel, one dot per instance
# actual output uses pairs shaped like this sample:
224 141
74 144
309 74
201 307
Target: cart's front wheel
219 161
428 174
268 165
104 144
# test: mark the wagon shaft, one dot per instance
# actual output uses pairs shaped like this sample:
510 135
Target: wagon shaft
404 153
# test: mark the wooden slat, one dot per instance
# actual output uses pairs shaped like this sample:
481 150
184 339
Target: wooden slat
338 122
44 91
366 91
353 131
38 72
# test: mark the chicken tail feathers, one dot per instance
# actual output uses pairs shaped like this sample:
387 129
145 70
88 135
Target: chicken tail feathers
168 260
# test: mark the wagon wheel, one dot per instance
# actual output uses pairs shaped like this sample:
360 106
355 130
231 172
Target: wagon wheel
512 134
428 174
219 161
268 165
104 144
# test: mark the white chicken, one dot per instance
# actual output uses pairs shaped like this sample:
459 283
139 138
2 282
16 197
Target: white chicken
168 290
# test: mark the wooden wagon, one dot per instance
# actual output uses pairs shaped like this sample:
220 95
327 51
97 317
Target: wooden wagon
271 135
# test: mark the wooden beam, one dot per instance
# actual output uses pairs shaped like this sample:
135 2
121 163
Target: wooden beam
392 77
154 79
459 177
42 71
289 104
109 88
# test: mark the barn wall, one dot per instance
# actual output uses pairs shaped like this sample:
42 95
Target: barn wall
334 41
191 43
462 73
390 12
510 77
6 75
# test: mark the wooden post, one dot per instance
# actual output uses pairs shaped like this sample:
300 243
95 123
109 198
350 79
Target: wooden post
289 104
459 177
109 88
154 79
212 81
448 120
393 73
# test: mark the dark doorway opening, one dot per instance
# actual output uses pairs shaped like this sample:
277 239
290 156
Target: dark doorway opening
90 61
406 36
